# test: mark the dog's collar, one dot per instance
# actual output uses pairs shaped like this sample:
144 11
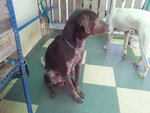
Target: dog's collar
68 43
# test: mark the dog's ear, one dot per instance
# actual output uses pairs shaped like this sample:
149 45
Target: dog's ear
84 22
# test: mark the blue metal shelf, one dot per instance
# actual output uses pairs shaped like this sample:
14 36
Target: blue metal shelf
16 68
20 63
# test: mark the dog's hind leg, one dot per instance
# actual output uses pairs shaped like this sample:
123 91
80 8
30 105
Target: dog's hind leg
110 37
144 54
139 62
52 90
126 34
146 69
144 49
47 78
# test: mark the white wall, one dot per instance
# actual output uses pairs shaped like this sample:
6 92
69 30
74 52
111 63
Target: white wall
26 10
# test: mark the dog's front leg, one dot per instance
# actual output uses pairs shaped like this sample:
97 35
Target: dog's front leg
110 37
77 80
126 34
71 88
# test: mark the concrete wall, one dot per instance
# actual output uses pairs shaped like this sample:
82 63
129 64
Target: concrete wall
26 10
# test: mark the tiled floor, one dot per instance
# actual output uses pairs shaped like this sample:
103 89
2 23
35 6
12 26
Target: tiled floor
110 83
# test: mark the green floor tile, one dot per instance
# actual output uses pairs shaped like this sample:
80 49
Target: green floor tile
119 61
63 100
16 92
47 109
99 99
129 78
96 55
102 59
95 44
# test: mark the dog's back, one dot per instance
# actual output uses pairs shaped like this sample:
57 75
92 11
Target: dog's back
124 19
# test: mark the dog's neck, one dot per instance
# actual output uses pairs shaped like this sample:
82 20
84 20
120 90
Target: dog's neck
75 38
74 44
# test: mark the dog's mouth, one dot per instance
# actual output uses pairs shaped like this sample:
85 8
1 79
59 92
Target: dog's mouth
100 27
100 31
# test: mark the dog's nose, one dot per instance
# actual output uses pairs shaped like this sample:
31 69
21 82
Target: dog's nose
104 26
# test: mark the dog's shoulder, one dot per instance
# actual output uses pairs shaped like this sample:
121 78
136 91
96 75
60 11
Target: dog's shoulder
115 10
54 43
112 13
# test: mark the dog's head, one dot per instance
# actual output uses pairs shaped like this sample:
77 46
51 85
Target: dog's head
82 23
88 19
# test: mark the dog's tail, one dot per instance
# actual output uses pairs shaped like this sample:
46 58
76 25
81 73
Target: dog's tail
42 62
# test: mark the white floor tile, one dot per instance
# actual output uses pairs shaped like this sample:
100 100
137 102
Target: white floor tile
99 75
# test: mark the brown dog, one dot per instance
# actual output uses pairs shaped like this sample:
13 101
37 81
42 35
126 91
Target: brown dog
64 55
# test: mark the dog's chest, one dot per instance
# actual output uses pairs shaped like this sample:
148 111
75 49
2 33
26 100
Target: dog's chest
78 55
76 59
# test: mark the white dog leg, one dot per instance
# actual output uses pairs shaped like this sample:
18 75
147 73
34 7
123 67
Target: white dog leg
146 68
143 75
139 62
110 37
146 64
126 34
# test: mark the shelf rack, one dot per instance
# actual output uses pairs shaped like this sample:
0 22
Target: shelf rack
20 64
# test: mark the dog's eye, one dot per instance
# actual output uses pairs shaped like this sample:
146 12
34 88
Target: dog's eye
82 28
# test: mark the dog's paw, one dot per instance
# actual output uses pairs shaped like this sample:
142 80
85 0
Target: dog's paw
124 56
76 98
106 48
124 53
52 94
141 74
135 64
81 94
